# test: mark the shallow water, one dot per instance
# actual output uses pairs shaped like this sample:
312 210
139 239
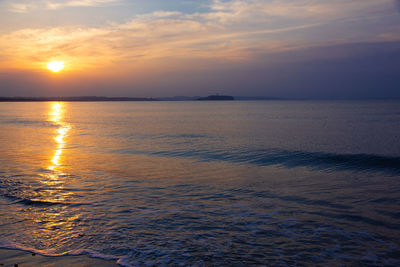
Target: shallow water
203 183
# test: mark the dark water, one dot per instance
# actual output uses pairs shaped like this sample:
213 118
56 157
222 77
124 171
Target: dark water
203 183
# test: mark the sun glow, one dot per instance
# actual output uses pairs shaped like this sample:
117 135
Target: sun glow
55 66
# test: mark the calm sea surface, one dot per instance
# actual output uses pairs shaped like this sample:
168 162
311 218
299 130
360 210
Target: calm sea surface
203 183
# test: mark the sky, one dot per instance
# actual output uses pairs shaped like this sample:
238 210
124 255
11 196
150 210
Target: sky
160 48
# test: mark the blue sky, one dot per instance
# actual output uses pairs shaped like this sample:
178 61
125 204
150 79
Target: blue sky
282 48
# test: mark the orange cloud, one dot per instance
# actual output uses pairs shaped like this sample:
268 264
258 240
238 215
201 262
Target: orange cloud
231 31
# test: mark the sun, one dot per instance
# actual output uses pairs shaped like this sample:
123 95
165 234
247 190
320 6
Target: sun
55 66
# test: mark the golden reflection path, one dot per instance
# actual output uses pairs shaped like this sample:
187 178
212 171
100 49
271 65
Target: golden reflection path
53 176
57 117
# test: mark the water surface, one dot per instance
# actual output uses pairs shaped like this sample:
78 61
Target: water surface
203 183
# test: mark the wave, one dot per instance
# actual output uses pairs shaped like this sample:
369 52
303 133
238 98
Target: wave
326 161
289 159
78 252
20 122
28 195
39 202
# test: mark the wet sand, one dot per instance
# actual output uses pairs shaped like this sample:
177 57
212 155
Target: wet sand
10 257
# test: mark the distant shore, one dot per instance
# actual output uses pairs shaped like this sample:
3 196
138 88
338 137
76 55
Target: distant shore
74 99
217 98
177 99
10 257
120 99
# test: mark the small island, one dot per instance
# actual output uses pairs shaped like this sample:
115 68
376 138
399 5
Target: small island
217 97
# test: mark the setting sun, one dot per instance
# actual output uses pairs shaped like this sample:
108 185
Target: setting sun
55 66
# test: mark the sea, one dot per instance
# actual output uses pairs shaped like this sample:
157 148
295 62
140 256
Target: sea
203 183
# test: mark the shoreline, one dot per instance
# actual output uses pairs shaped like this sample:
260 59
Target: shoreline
17 257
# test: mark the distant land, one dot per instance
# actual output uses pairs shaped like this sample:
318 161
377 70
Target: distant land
188 98
74 98
217 97
105 98
258 98
178 98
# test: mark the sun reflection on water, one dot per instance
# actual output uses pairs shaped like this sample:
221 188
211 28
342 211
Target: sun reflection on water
53 176
57 117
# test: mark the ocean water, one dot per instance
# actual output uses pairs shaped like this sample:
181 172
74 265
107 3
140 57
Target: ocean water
238 183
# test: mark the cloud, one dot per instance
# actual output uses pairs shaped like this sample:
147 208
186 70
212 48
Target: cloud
78 3
229 31
270 12
19 7
158 15
24 6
